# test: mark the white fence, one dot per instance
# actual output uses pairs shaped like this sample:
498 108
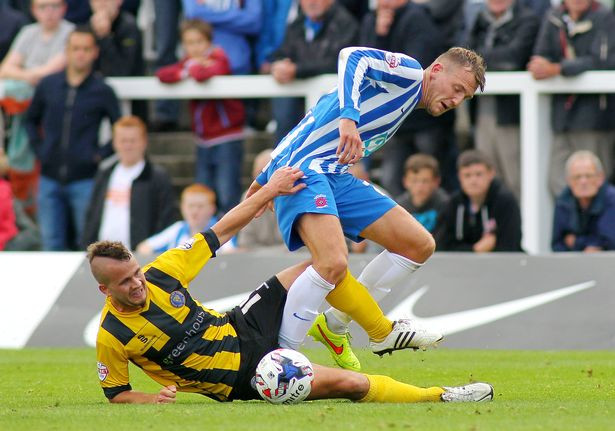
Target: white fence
536 202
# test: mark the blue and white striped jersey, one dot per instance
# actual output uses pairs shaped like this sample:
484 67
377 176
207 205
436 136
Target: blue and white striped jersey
376 89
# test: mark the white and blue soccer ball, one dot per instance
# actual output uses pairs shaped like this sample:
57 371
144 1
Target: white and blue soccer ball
284 376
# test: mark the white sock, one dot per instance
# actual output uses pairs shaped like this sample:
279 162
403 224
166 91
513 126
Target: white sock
379 276
305 295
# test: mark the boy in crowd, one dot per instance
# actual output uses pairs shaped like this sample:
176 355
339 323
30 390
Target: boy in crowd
218 124
484 215
424 198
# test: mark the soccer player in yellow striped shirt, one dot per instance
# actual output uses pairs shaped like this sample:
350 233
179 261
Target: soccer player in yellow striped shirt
151 320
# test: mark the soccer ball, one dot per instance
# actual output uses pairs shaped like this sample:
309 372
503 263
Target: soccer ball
284 376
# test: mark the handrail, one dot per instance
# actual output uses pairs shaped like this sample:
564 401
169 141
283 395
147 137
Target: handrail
536 202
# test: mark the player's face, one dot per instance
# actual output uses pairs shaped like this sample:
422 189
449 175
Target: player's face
81 52
448 86
48 13
421 185
194 43
584 179
315 9
577 7
197 210
125 285
475 179
129 144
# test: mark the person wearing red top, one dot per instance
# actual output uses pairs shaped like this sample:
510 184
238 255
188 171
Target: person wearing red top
8 228
218 124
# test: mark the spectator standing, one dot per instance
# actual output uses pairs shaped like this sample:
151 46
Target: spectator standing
275 18
484 215
11 21
62 122
424 198
37 51
217 124
166 30
406 27
584 217
577 36
504 34
311 47
132 199
118 38
234 22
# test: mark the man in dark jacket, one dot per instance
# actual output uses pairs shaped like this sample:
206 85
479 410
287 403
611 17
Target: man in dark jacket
575 37
483 216
118 37
311 46
62 123
585 211
132 199
504 34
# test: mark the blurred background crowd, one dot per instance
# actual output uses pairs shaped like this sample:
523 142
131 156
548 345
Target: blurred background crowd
73 169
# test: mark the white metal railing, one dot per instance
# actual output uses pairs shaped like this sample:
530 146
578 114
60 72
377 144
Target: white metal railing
536 202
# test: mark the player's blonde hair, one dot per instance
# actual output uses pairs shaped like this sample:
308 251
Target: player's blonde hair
111 249
200 189
469 59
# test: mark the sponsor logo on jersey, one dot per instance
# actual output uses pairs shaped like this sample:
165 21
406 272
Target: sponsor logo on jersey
321 201
392 60
103 371
178 299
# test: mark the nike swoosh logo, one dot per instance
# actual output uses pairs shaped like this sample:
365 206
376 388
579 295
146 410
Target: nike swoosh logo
337 349
301 318
464 320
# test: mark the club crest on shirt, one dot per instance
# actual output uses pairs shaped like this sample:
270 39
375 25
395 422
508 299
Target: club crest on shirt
178 299
392 60
103 371
186 245
320 201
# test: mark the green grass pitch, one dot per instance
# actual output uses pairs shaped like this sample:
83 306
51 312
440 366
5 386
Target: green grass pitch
57 389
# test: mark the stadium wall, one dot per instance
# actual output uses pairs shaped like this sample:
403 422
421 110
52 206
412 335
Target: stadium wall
498 301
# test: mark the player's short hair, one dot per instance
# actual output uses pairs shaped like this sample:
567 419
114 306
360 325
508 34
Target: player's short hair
473 157
201 189
417 162
130 121
469 59
111 249
199 25
584 155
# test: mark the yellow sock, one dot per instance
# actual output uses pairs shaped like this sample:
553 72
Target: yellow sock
353 298
383 389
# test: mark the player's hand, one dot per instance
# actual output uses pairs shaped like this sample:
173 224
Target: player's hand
282 182
541 68
350 148
166 395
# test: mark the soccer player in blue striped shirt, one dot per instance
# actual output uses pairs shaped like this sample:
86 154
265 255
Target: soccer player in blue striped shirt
376 91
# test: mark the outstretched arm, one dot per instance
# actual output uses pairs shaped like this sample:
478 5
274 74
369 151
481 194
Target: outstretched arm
166 395
281 183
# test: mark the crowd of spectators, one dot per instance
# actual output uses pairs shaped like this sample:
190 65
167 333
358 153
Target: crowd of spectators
62 185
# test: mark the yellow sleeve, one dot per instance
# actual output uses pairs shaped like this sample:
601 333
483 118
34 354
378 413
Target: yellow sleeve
184 262
112 364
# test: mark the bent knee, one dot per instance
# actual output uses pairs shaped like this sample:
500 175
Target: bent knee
419 248
332 269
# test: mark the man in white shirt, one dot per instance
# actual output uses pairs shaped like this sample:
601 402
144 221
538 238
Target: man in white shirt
132 199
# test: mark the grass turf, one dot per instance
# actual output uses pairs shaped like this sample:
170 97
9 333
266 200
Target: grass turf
57 389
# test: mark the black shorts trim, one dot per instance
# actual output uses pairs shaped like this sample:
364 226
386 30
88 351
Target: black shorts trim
110 393
257 322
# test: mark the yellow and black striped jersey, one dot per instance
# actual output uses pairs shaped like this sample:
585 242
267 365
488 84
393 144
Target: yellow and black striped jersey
173 338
